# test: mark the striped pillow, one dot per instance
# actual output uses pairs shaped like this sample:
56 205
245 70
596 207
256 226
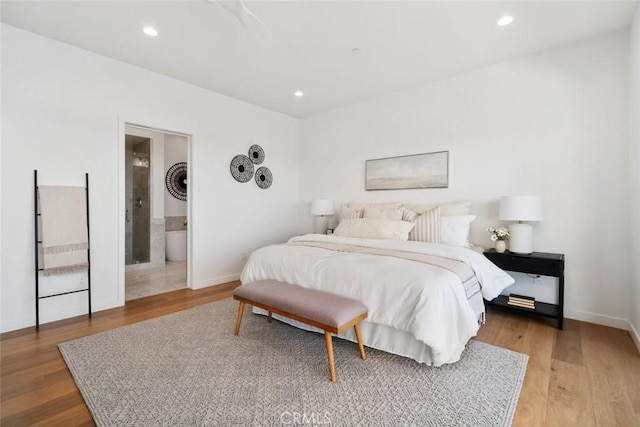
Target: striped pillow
409 215
349 213
427 227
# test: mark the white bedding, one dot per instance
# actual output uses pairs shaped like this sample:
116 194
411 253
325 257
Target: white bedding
419 300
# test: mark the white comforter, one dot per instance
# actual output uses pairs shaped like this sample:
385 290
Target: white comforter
426 301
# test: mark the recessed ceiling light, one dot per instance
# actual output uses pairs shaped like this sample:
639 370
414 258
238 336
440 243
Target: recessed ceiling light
505 20
150 31
298 93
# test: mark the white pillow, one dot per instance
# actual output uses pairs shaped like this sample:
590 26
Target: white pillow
454 230
427 227
372 228
349 213
393 214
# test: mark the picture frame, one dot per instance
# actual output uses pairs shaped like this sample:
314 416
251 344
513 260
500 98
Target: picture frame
427 170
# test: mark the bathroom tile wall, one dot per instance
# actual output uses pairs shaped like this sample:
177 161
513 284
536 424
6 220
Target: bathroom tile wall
157 242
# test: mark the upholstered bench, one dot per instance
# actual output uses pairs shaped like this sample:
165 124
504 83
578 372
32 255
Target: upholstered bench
329 312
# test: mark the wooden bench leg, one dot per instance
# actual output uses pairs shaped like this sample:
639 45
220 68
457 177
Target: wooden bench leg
359 337
239 319
332 369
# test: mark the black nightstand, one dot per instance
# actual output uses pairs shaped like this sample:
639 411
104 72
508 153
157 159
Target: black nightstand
542 263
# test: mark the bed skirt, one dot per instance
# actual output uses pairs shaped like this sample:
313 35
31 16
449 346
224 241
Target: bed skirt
386 338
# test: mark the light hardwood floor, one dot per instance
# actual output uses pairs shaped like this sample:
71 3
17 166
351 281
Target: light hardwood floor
585 375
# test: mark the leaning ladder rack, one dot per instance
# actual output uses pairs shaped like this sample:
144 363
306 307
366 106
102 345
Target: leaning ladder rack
37 249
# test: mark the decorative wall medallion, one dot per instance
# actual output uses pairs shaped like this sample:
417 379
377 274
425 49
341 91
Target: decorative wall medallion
241 168
176 180
264 177
256 154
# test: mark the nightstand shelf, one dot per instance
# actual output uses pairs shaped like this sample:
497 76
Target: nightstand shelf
542 308
542 263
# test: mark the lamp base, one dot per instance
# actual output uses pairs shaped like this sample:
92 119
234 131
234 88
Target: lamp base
321 225
521 238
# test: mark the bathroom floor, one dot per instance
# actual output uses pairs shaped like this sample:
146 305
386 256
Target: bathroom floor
157 280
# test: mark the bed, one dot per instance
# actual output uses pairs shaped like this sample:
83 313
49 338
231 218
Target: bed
425 299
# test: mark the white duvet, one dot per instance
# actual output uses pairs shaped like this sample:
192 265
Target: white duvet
425 301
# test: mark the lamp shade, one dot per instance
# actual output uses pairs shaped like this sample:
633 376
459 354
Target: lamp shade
520 208
322 207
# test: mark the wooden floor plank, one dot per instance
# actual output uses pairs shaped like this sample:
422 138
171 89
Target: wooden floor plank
568 346
569 401
536 341
29 379
21 407
75 416
606 381
629 368
585 375
43 412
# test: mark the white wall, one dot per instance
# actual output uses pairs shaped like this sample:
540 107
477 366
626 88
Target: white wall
64 111
553 124
175 151
634 175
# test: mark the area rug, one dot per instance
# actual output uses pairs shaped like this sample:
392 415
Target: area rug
187 368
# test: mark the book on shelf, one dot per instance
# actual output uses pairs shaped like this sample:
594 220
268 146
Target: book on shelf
521 301
530 306
521 297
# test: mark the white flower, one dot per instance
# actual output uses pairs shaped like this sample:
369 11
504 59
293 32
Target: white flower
498 233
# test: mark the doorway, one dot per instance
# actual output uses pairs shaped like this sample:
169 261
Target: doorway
156 212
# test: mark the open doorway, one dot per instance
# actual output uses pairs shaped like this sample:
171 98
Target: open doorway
156 211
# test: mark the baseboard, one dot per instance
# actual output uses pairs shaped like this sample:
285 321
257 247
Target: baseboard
219 280
598 319
634 335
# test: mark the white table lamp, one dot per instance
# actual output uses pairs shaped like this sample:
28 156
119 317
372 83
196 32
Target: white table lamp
321 208
521 208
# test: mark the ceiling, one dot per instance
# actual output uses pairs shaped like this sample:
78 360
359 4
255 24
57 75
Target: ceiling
308 44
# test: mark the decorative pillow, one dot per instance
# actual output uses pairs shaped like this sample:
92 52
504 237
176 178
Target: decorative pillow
394 214
372 228
454 230
462 207
348 213
409 215
427 227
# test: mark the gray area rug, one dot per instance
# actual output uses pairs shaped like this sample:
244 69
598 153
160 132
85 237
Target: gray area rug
187 368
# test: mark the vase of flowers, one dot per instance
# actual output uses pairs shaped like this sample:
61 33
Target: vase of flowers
500 236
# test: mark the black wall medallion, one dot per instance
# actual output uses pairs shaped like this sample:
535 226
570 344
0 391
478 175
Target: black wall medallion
241 168
256 154
176 180
264 179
